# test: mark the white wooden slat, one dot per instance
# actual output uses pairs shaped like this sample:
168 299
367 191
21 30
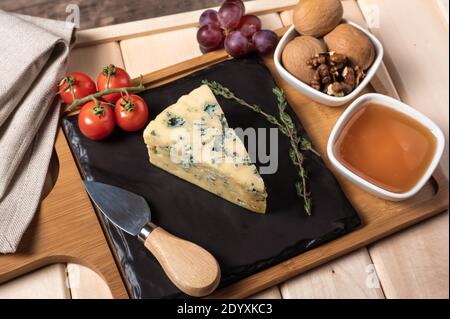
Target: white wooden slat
168 23
146 54
150 53
414 263
443 6
48 282
85 283
350 277
90 60
271 293
271 21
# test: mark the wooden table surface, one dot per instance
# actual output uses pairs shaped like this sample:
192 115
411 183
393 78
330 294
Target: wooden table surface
411 264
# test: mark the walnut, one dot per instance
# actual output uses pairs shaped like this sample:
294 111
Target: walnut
316 82
349 76
334 74
339 89
337 59
325 74
317 60
360 75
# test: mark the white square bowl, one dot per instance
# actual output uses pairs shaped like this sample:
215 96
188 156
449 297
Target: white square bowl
400 107
314 94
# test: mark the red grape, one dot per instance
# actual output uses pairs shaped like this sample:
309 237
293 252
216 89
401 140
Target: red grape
239 3
236 44
249 25
206 50
265 41
209 17
230 15
210 37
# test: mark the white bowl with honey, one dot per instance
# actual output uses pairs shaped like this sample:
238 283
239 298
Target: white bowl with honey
385 146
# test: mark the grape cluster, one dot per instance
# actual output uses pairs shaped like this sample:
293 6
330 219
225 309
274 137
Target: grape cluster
229 27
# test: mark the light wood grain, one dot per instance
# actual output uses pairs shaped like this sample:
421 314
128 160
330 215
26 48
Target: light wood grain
65 229
149 53
380 217
146 54
184 20
48 282
271 293
84 283
190 267
443 9
91 59
414 263
350 277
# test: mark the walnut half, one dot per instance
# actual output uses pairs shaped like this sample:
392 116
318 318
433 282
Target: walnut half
334 74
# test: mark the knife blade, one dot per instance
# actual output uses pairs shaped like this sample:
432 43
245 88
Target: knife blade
190 267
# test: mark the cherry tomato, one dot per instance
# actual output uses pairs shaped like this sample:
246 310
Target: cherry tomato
79 84
96 120
131 113
112 77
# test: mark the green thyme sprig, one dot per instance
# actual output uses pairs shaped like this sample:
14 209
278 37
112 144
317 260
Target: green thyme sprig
286 125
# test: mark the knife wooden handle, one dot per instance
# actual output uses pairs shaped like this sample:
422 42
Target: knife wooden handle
190 267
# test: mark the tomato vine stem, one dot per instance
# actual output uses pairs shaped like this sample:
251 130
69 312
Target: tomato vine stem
78 102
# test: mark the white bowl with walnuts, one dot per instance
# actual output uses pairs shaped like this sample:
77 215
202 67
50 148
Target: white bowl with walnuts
327 58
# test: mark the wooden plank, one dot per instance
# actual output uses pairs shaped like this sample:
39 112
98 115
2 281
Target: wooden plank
271 21
65 229
443 9
48 282
271 293
351 277
84 283
146 54
168 23
91 59
414 263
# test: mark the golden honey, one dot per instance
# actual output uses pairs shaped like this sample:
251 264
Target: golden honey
385 147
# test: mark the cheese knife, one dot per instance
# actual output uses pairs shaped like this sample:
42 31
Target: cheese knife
190 267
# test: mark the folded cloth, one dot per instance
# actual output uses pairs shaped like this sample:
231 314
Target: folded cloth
33 58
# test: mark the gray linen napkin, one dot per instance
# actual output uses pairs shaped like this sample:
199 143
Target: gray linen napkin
33 58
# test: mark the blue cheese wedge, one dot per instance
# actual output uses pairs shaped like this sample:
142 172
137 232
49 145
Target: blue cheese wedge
191 139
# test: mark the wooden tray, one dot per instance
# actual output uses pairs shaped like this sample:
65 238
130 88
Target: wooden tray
380 217
67 229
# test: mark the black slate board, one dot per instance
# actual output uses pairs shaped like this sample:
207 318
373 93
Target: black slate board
243 242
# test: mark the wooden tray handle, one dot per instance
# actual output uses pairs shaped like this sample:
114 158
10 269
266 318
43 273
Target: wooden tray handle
190 267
